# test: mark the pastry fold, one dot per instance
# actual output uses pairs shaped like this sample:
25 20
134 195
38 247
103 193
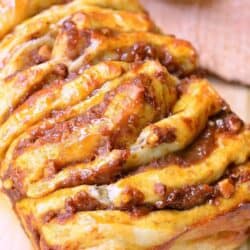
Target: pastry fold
16 11
223 226
110 139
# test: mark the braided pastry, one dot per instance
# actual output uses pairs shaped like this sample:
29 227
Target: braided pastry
108 137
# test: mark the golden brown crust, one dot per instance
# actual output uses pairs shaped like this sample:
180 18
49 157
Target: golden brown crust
16 11
151 231
108 142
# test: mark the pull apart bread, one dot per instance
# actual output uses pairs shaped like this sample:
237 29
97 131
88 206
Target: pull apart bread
109 139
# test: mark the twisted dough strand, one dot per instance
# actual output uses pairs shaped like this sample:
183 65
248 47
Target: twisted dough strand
108 137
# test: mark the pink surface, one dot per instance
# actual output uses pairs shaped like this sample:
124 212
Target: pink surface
219 29
12 236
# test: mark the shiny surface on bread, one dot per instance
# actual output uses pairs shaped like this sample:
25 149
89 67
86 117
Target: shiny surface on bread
124 231
16 11
108 137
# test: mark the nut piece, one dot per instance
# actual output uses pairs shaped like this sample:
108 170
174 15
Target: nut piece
44 52
226 188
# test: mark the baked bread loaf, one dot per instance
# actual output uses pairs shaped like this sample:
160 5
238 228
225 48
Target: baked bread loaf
15 11
110 140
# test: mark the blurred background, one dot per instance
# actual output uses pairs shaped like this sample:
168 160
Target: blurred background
220 31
